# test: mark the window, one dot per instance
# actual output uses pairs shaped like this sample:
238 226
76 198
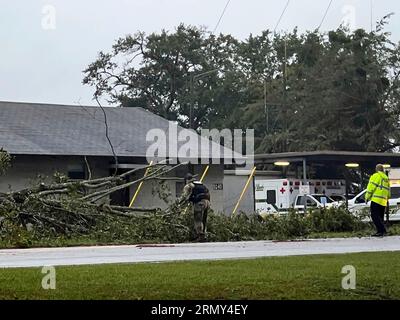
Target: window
338 198
76 172
361 198
311 202
319 198
395 192
300 201
271 196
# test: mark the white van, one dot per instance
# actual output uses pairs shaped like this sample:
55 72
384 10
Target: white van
277 195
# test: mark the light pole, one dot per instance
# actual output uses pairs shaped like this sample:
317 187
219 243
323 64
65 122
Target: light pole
349 166
387 211
193 78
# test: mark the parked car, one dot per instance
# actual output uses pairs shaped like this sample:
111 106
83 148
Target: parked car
358 206
313 201
340 197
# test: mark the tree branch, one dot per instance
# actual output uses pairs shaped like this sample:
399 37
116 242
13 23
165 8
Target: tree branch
107 134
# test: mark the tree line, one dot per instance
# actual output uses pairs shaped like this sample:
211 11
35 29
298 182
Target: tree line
336 90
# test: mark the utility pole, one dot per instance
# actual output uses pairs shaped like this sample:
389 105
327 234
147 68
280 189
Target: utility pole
194 78
191 102
285 93
265 105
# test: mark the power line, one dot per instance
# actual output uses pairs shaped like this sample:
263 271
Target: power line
282 14
222 14
326 13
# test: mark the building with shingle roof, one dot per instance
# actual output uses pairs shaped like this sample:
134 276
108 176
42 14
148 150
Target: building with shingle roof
48 138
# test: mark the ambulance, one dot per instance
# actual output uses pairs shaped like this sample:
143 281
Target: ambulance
278 195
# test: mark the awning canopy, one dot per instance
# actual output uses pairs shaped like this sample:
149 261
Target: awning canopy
364 159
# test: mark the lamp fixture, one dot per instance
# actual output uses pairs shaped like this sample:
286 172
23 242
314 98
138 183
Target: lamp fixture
282 163
352 165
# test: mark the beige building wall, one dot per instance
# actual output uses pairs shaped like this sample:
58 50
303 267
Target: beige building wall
214 181
234 185
25 170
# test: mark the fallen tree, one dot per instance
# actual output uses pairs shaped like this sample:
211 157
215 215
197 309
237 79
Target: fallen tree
74 207
5 160
78 212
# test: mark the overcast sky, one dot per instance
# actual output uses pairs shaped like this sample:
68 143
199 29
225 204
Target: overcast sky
45 44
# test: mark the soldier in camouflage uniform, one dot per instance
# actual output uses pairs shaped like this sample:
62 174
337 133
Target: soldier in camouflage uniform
197 193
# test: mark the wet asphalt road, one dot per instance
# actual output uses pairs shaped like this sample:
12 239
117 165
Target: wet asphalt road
184 252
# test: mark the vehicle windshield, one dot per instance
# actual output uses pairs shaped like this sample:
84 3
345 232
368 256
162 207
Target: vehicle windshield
318 197
395 192
338 198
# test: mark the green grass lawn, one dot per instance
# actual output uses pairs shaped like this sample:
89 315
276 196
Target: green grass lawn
306 277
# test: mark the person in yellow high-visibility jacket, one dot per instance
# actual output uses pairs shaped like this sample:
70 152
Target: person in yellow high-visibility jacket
378 192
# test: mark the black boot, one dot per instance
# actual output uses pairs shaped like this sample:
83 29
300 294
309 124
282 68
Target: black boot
378 235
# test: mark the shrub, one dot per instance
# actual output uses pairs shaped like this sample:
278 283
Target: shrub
334 220
175 227
295 225
5 161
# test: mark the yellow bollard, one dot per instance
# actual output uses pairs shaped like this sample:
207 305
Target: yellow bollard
244 190
140 185
204 173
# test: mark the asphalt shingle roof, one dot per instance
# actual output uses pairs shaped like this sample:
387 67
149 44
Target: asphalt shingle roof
46 129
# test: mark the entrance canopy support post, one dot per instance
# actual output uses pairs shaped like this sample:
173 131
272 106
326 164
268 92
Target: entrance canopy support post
305 183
